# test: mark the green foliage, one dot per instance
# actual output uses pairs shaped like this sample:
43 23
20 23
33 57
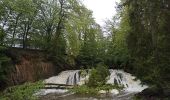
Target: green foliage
4 60
83 72
85 90
63 28
108 87
2 35
91 50
98 76
148 40
5 66
117 54
97 81
22 92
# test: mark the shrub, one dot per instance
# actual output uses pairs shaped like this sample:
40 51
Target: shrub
22 92
97 81
98 76
108 87
84 89
5 67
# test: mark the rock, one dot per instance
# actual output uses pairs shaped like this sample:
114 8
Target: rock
114 91
149 92
102 92
166 92
154 93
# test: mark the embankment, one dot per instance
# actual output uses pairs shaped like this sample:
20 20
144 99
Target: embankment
28 66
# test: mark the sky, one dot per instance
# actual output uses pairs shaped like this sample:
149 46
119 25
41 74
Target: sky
102 9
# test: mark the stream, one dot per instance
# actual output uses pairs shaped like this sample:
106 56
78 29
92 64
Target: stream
73 77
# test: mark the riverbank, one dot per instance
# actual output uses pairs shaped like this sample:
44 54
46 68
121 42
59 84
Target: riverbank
154 94
27 65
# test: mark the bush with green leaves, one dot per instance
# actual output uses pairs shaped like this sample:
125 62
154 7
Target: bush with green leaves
84 90
97 81
4 66
98 76
22 92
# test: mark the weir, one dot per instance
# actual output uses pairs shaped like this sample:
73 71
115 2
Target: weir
119 77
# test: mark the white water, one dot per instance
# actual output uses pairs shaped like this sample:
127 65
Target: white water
48 91
73 77
127 80
70 77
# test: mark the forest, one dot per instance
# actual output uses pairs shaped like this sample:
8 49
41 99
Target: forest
136 40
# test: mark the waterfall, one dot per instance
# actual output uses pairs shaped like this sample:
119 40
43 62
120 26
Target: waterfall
127 80
70 77
119 77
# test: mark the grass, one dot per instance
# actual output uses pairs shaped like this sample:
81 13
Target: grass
22 92
85 90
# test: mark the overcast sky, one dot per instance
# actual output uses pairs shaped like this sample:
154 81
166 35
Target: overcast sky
102 9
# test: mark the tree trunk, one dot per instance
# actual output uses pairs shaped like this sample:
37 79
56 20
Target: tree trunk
13 34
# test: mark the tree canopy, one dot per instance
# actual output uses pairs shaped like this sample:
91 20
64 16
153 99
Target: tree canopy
137 39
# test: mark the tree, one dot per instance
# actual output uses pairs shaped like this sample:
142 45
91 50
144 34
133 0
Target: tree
4 61
90 49
117 55
148 40
98 76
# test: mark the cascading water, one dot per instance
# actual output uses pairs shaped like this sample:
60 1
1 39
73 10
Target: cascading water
73 77
127 80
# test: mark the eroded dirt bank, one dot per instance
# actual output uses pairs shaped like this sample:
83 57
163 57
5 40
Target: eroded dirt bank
29 65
